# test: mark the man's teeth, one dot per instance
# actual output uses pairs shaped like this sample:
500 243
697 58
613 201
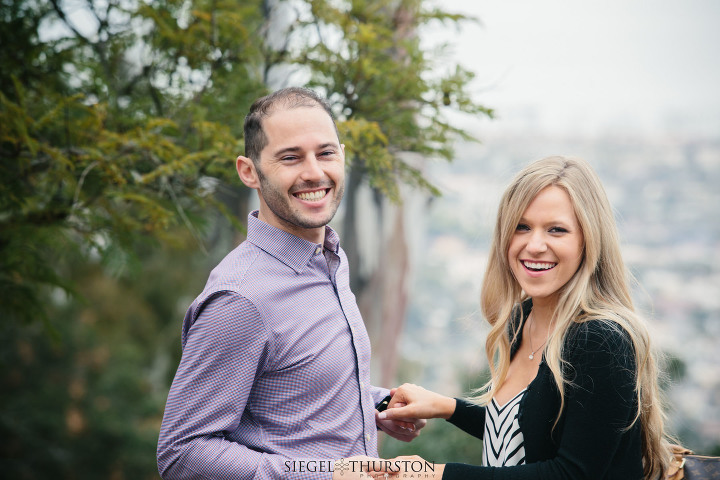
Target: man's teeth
539 266
312 196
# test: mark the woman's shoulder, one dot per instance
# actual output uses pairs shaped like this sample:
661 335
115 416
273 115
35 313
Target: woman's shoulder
600 337
598 329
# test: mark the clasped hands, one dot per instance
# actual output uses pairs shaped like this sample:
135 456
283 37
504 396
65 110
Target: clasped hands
406 414
409 409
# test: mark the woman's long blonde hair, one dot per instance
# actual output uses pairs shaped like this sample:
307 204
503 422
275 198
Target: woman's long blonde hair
598 291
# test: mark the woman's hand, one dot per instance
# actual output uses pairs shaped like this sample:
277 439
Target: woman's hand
418 403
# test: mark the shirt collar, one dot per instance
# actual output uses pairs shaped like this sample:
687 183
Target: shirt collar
292 250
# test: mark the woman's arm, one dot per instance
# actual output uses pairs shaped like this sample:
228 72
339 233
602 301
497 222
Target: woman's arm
469 417
599 406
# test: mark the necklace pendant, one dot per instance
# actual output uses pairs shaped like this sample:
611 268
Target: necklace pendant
531 356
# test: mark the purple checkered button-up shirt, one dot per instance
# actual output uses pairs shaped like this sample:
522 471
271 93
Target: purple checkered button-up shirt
274 377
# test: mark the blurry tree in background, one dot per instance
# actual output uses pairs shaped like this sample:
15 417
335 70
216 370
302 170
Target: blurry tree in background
393 95
118 128
115 135
119 125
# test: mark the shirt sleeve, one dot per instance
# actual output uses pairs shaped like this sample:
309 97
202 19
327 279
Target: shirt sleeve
378 393
599 407
227 347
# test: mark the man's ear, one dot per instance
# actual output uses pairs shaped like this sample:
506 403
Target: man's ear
246 171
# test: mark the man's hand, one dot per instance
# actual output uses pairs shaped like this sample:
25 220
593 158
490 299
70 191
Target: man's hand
404 429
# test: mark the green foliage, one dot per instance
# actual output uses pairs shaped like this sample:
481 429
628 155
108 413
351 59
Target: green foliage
108 150
88 403
69 176
90 158
369 60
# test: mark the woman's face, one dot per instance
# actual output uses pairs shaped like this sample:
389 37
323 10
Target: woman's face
547 246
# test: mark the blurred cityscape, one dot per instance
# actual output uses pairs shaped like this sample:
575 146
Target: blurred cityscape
665 194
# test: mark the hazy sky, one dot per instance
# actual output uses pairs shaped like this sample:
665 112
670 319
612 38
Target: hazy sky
589 65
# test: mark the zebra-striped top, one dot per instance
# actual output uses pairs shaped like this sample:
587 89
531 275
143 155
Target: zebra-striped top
503 443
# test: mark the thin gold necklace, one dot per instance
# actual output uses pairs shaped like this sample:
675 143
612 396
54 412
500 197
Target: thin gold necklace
533 351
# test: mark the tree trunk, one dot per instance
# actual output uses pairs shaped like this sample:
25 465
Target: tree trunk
383 302
380 283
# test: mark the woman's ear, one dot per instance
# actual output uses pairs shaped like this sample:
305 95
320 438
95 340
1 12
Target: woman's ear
246 171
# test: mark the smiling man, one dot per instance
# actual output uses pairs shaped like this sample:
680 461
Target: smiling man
274 374
297 164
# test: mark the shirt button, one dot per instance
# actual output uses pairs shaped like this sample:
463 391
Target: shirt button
362 385
367 437
318 250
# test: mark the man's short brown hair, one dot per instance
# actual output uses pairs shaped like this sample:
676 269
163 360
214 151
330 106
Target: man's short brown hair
291 97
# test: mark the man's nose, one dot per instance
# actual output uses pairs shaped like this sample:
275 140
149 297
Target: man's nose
312 170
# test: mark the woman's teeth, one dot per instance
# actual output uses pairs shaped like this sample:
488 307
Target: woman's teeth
539 265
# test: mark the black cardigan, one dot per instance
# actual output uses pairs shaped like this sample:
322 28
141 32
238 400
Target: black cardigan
591 440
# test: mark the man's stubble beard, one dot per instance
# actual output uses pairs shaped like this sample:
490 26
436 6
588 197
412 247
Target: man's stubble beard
278 202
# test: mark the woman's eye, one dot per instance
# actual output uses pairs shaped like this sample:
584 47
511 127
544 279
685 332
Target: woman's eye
558 230
522 227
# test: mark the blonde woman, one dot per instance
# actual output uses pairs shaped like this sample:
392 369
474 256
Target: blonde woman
574 384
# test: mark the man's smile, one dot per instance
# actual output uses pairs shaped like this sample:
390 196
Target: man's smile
312 196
